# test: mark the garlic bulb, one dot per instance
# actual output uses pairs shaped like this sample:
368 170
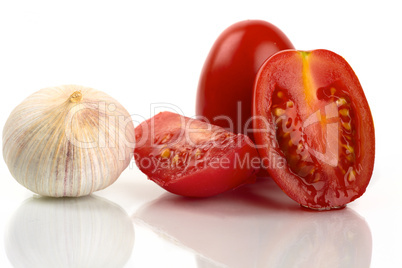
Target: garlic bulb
68 141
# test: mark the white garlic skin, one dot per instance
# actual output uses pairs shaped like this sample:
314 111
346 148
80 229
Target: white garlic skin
68 141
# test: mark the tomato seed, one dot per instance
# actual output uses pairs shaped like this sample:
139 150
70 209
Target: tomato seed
346 126
165 153
340 102
278 112
344 112
351 175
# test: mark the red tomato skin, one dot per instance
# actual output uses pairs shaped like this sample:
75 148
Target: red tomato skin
207 181
285 70
225 89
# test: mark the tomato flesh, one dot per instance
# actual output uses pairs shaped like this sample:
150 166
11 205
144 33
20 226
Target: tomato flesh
225 89
314 120
192 158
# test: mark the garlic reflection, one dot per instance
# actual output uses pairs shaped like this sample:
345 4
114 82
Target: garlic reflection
68 141
257 225
69 232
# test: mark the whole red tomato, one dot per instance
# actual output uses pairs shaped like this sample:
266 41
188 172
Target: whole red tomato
225 89
314 126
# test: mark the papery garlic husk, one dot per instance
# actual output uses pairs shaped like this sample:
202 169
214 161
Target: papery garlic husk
68 141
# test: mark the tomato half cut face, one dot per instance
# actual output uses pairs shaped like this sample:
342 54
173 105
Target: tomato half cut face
314 126
192 158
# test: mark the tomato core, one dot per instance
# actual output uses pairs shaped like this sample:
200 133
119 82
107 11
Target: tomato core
301 139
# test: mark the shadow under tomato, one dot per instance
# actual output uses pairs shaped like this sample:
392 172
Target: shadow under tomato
69 232
259 226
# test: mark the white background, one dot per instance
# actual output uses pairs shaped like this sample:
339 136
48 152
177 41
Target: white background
147 52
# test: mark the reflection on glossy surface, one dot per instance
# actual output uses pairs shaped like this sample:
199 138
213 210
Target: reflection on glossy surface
69 232
259 226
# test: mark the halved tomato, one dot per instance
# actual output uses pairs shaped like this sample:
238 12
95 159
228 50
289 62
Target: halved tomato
313 124
192 158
